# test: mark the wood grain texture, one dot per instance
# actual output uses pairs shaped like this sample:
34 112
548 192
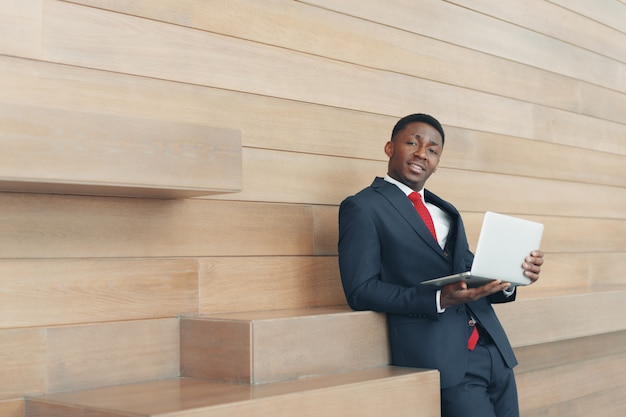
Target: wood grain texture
42 226
270 283
610 13
542 320
65 291
534 114
50 150
20 28
281 345
593 236
219 350
321 130
555 21
606 403
560 384
298 348
467 28
219 63
563 356
48 226
12 408
404 391
324 33
548 355
607 270
22 363
95 355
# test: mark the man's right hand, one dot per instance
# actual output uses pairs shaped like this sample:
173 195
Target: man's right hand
460 293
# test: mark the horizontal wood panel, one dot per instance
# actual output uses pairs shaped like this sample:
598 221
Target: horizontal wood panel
543 388
542 320
607 270
51 150
466 28
41 226
610 402
330 179
556 22
95 355
22 362
326 229
550 355
372 45
270 283
609 12
475 191
20 28
487 152
12 408
564 235
65 291
561 274
321 130
558 126
47 226
245 66
235 64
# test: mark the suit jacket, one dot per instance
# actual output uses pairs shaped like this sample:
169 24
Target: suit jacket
385 251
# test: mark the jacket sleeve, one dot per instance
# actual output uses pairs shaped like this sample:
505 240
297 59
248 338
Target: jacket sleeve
361 267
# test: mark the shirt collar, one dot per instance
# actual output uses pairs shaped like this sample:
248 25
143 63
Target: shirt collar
405 188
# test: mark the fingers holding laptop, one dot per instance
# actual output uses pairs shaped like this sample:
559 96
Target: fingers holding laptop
460 293
532 265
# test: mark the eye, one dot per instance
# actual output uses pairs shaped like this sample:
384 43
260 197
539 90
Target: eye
433 151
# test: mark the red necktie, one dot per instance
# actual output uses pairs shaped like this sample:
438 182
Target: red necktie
416 199
473 339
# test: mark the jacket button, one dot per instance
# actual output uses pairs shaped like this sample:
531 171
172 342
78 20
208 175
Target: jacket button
460 311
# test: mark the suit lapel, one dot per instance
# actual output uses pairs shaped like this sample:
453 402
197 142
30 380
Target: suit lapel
405 208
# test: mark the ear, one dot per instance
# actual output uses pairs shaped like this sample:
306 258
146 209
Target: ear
389 149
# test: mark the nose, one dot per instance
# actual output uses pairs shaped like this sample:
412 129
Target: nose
420 152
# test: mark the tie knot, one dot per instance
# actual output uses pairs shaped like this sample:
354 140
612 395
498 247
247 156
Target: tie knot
423 212
415 198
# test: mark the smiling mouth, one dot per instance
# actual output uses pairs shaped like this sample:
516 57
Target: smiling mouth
417 168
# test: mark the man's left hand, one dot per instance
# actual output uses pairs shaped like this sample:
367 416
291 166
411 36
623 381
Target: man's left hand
532 265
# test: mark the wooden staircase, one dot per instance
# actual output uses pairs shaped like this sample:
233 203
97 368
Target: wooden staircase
332 361
304 362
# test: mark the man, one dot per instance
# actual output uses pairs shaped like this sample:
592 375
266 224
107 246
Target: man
386 250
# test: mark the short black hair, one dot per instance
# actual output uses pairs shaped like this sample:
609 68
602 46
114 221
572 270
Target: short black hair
418 117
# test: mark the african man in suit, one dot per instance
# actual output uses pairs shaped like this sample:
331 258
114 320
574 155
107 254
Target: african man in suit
386 249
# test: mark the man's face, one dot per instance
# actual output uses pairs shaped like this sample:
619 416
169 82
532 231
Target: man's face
414 154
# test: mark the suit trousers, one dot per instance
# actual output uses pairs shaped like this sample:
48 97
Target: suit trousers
487 390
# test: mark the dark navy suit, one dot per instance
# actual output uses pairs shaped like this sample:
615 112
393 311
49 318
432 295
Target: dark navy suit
385 251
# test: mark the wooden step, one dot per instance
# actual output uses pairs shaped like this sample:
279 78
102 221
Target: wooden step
270 346
73 152
382 391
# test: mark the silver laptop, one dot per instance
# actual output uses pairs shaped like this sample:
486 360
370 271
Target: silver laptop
503 244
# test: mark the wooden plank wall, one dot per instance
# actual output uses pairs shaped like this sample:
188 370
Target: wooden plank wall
532 95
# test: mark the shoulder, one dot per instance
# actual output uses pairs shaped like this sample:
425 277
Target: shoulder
381 195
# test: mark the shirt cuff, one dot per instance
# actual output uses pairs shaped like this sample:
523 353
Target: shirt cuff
509 291
438 298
